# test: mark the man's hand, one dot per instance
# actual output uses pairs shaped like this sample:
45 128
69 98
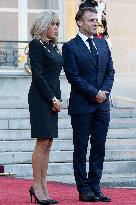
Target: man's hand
101 96
56 105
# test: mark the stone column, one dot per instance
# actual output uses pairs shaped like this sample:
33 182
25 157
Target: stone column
22 20
121 26
70 27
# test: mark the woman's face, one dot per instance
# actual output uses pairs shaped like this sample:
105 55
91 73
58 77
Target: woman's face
52 31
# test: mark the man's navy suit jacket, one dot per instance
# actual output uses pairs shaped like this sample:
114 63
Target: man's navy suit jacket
85 76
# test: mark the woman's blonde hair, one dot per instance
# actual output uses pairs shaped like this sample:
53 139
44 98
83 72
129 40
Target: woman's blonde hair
41 24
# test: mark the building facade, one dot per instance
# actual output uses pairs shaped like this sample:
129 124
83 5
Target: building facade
16 17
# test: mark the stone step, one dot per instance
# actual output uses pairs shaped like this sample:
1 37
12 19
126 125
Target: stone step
119 180
115 113
123 112
124 102
121 133
120 144
114 123
108 180
63 145
23 113
17 102
28 145
123 123
65 123
18 134
14 113
117 167
65 156
8 102
4 124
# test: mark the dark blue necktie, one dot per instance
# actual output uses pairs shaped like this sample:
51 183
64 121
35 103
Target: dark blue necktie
93 50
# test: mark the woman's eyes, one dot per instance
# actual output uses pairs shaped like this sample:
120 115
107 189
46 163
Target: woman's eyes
57 24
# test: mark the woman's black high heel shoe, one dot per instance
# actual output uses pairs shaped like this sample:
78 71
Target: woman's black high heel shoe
41 202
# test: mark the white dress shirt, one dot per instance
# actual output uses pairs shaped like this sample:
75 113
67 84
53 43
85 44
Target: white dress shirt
84 38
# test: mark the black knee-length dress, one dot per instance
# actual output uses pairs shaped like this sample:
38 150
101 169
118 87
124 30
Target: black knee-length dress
46 64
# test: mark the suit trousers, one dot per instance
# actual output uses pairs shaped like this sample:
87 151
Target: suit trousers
94 124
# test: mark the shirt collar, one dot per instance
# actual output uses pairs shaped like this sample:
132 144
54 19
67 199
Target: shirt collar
83 37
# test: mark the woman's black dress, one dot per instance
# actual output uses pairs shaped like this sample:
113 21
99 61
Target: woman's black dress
46 64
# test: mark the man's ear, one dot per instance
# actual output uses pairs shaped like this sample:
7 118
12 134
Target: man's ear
79 23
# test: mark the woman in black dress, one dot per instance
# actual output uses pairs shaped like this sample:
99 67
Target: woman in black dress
44 98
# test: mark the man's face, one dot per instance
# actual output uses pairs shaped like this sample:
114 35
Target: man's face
88 25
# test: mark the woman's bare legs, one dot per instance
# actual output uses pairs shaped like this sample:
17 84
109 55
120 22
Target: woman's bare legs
45 168
39 160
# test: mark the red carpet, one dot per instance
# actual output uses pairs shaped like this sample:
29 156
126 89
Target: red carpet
15 192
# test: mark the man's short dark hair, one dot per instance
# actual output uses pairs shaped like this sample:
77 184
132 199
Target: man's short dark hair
81 12
88 3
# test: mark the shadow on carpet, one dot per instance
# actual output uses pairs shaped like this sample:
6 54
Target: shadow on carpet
15 192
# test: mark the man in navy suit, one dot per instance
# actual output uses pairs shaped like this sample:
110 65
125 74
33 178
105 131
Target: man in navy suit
89 69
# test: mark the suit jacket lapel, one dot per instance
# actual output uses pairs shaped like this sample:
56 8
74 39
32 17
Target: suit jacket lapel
82 45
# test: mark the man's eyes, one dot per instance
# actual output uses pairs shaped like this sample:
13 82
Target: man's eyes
93 20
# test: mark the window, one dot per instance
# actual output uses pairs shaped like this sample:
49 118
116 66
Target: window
8 3
19 15
35 6
43 4
16 18
8 30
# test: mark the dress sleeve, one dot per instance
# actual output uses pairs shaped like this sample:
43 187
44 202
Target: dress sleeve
36 62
